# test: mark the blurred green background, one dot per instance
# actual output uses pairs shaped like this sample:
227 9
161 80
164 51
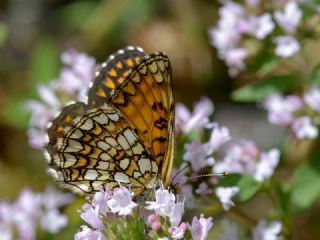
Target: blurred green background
33 33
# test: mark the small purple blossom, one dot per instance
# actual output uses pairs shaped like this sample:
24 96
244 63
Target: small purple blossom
198 155
246 158
31 210
287 46
225 194
164 202
290 17
267 231
200 227
121 201
303 128
179 231
203 189
312 98
100 201
91 216
219 136
72 85
198 119
88 234
281 109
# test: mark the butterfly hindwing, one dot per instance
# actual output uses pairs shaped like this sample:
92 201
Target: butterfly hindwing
99 149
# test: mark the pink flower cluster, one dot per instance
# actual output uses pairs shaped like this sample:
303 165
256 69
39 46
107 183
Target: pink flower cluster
72 85
106 203
208 159
299 113
241 28
19 220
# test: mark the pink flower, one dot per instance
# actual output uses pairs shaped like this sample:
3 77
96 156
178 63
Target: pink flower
218 137
290 18
200 227
235 57
225 194
281 109
91 216
198 155
312 98
246 158
267 231
100 201
164 202
176 213
53 221
203 189
267 164
199 118
89 234
303 128
121 201
287 46
178 232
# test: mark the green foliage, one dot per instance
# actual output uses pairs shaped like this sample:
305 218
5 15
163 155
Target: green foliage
248 186
314 77
306 184
259 90
126 229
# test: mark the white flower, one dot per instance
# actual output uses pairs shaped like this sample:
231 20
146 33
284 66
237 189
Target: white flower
267 164
197 154
264 26
225 194
290 18
164 202
303 128
53 221
281 109
267 231
91 216
199 118
219 136
312 98
287 46
121 201
235 57
176 213
226 35
200 227
89 234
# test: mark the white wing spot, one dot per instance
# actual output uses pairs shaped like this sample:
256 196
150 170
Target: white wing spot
121 177
144 165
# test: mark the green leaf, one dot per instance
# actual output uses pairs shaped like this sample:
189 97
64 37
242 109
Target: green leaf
306 184
14 113
284 196
44 63
259 90
268 66
314 78
248 186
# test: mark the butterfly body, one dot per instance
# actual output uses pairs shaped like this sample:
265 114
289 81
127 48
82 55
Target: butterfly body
123 134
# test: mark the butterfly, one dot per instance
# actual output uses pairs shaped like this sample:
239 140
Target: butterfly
124 132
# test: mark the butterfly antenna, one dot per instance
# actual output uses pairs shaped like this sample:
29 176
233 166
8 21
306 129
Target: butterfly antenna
224 174
178 172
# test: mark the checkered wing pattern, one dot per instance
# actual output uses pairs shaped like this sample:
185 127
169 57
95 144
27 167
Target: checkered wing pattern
124 135
113 73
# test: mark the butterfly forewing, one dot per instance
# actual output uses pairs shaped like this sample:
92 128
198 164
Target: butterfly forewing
146 100
113 72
